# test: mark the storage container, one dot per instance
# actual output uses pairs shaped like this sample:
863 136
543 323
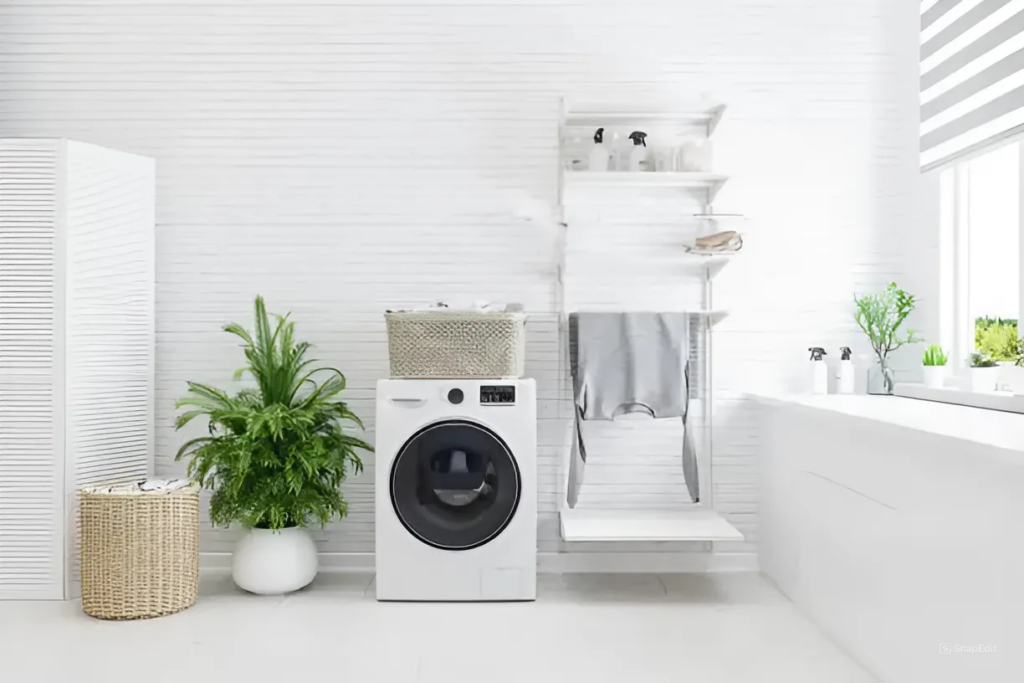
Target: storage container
440 345
140 553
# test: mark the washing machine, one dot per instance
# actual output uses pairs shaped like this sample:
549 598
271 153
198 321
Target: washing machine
456 490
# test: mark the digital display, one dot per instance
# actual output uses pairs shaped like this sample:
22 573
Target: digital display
498 395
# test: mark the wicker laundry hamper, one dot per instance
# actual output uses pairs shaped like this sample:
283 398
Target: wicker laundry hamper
439 345
140 553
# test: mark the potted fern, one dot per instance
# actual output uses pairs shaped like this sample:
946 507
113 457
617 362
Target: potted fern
275 455
934 367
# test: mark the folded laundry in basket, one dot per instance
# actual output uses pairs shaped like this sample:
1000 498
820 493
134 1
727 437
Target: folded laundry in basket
144 486
628 363
475 307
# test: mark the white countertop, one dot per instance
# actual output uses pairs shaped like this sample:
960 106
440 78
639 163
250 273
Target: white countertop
986 427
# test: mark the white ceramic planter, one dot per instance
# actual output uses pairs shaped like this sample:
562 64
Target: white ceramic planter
984 379
1012 378
274 562
935 376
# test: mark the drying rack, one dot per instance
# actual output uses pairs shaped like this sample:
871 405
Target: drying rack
697 522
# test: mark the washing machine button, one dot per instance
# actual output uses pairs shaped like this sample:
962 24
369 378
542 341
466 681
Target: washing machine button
455 396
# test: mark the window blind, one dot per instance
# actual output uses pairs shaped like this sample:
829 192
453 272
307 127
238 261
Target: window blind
972 76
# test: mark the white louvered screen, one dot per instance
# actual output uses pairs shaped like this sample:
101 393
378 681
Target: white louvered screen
76 347
30 417
972 80
109 322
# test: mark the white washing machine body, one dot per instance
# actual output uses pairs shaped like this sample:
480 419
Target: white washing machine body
456 490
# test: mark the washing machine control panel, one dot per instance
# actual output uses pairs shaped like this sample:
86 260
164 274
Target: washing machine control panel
498 395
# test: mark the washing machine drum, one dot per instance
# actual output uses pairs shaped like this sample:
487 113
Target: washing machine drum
455 485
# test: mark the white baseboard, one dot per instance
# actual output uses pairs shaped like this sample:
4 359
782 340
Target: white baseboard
555 563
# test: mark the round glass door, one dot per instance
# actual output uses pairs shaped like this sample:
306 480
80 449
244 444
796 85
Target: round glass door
455 485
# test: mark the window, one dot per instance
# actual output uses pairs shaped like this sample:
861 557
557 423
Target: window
981 255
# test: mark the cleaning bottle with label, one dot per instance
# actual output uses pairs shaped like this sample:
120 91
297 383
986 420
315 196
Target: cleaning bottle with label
846 377
638 155
599 154
819 370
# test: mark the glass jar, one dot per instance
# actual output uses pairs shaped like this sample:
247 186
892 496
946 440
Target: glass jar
695 155
881 378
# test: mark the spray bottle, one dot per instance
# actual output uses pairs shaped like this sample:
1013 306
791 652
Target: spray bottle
819 370
599 154
638 155
846 377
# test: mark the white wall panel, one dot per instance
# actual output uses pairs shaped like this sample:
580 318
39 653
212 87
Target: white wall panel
343 158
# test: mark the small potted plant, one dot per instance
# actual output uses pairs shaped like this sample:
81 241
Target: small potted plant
880 317
934 367
984 372
275 456
1011 374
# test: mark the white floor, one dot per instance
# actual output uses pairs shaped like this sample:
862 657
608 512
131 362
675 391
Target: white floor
583 628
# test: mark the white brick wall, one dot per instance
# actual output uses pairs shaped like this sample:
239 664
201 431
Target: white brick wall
332 156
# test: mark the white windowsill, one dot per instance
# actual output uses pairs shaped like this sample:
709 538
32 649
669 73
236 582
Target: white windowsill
988 400
1003 430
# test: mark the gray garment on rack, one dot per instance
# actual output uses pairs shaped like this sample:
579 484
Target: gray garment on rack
630 363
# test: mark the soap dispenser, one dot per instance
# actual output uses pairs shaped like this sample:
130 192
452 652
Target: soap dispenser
638 155
599 154
846 377
819 371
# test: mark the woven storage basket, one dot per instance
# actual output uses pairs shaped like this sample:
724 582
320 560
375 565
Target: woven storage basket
432 345
140 553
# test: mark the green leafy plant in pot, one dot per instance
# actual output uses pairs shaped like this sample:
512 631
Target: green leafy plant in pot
880 317
1011 374
275 454
934 363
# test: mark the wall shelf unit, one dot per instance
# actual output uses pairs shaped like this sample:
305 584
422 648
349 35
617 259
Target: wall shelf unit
679 521
686 261
709 182
612 526
722 217
713 263
596 117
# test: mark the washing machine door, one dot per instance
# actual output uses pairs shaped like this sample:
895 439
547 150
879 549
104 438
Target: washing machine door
455 485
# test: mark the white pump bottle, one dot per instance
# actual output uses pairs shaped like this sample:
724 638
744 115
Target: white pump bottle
819 371
599 154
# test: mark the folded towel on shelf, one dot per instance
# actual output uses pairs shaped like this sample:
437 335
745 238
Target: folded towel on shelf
722 242
629 363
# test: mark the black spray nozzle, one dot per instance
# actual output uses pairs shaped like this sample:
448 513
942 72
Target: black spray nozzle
847 353
638 138
599 136
817 352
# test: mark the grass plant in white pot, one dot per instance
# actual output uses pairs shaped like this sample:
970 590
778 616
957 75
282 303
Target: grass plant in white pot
275 456
935 368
